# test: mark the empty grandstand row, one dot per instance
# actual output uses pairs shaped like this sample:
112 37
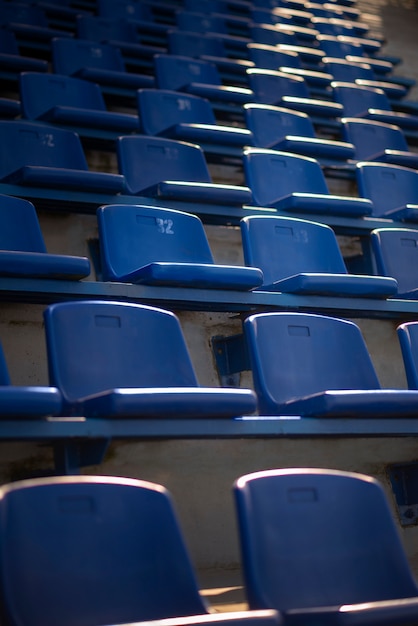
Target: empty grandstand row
209 264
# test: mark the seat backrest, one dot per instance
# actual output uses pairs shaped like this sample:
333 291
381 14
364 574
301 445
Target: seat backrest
318 538
271 175
194 44
370 137
160 109
146 161
8 42
176 72
93 550
295 354
356 100
22 13
200 22
19 226
335 47
387 186
105 29
346 71
38 145
271 58
41 92
270 123
282 247
269 86
124 9
132 236
72 55
95 346
269 34
408 339
396 254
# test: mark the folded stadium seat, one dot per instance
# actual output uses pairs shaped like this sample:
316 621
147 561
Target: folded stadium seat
354 31
268 34
98 62
113 543
362 74
268 57
304 33
344 48
376 141
282 129
46 156
169 169
29 23
332 9
317 366
298 256
22 246
211 48
349 560
71 102
21 402
120 33
186 117
392 189
395 253
197 77
214 24
408 340
273 177
372 103
158 246
12 62
141 366
141 14
284 89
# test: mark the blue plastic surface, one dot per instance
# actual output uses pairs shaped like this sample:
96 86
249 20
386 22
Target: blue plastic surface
166 168
313 365
392 189
408 340
158 246
292 182
362 74
22 246
201 78
298 256
334 533
396 254
283 129
376 141
61 99
45 156
136 363
98 62
185 117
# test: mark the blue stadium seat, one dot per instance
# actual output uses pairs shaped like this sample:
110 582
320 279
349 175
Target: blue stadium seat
284 89
170 169
12 62
98 62
158 246
396 254
298 256
68 101
20 402
113 359
392 189
317 366
115 544
283 129
185 117
335 534
274 176
224 26
29 22
273 58
197 77
46 156
361 74
371 103
138 13
408 340
376 141
22 246
344 48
